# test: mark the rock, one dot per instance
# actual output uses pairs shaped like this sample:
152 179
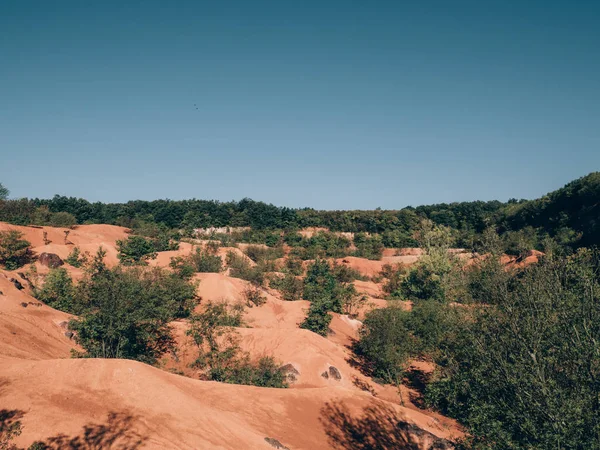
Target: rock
24 305
1 293
16 283
69 334
290 372
50 260
334 373
275 443
325 375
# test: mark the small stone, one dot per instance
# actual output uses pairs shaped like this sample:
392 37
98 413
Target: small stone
50 260
69 334
16 283
275 443
334 373
325 375
290 372
24 305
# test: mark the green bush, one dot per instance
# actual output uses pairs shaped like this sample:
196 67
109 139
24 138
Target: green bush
76 259
125 313
291 287
386 343
14 251
240 267
318 318
293 266
219 354
260 254
254 296
135 250
62 219
370 247
203 261
393 275
58 290
523 373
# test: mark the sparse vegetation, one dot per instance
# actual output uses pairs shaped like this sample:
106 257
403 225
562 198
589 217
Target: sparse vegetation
76 258
219 354
291 287
240 267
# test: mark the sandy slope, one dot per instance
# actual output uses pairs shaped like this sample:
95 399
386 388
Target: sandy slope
171 411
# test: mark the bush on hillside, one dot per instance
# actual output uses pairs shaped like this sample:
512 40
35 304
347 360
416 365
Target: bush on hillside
135 250
289 286
14 251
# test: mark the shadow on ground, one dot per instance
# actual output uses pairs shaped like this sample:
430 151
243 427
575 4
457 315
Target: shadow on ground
115 434
377 427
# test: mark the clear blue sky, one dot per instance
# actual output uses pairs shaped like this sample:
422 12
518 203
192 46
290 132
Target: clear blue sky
330 104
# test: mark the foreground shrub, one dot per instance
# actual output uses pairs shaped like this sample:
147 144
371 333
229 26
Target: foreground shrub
523 373
125 313
14 251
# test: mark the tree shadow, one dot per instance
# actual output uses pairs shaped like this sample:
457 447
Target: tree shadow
10 427
115 434
417 380
377 427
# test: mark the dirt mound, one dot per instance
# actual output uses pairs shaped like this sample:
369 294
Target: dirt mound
28 328
275 313
138 406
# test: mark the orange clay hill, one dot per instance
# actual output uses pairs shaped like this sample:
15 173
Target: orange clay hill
123 404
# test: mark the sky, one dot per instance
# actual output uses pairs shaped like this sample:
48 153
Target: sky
327 104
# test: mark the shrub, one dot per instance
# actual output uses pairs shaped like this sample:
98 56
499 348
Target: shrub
58 290
204 261
523 373
318 317
240 267
76 259
14 251
254 296
345 274
394 276
386 343
182 266
291 287
62 219
293 266
261 254
370 247
219 353
135 250
125 313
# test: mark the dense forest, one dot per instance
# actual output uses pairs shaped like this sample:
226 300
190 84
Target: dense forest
570 215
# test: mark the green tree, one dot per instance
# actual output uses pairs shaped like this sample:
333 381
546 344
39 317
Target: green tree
58 290
135 250
4 192
525 372
125 313
14 251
